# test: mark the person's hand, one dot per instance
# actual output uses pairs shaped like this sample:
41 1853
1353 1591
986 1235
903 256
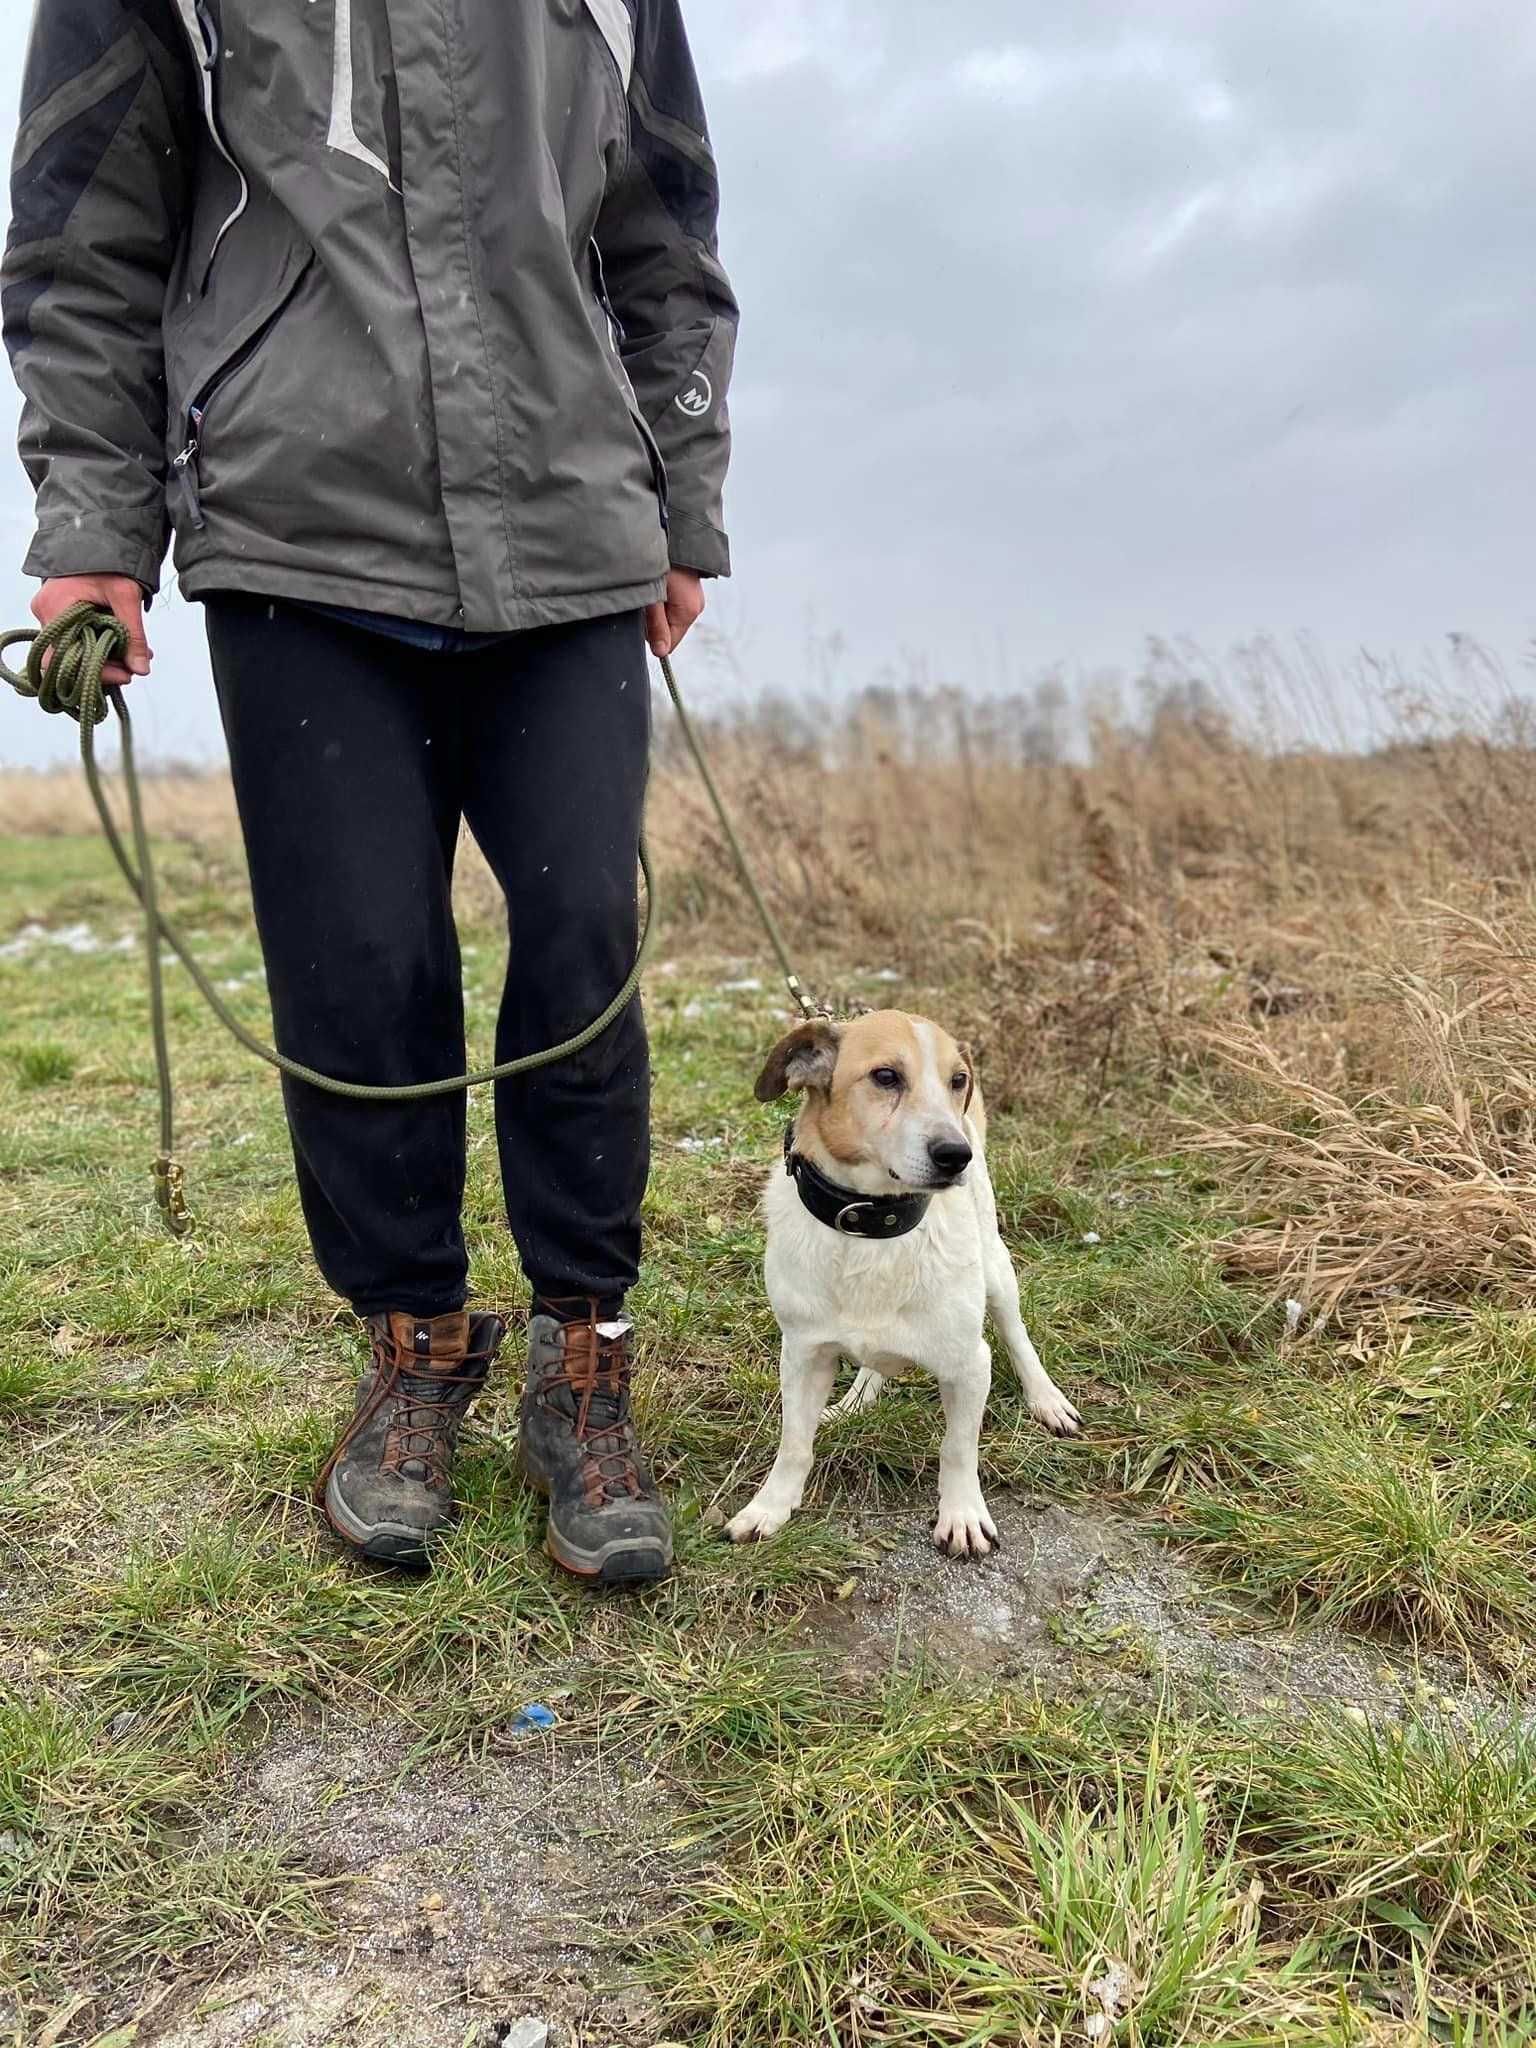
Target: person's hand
119 595
667 623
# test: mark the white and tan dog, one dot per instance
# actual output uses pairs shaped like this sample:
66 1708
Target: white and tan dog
883 1248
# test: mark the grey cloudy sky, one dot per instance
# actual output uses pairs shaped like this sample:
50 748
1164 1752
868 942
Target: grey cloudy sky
1071 323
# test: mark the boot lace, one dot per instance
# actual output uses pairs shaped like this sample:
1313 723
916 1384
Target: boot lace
595 1372
421 1433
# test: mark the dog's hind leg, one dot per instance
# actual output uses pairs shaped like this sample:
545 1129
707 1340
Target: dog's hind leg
965 1527
864 1393
1047 1403
806 1372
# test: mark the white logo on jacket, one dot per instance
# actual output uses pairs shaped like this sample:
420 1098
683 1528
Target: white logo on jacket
697 396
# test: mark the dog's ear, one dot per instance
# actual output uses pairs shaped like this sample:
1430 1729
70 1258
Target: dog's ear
968 1061
805 1059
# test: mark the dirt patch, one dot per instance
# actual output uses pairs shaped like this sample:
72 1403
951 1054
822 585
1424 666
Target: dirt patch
478 1903
319 2004
310 2005
981 1620
1077 1587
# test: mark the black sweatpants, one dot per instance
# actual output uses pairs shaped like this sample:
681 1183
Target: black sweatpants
355 757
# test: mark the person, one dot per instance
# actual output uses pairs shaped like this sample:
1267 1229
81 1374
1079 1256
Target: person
408 319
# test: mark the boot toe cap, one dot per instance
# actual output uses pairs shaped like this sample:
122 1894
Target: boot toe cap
392 1522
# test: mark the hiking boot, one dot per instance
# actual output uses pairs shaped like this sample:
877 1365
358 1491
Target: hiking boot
388 1487
607 1523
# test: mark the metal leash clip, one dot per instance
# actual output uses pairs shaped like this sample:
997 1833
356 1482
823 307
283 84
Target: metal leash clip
171 1194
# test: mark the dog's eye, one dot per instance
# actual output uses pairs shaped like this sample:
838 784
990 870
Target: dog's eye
886 1077
961 1081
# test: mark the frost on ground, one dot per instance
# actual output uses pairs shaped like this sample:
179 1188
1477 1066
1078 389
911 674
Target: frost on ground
69 938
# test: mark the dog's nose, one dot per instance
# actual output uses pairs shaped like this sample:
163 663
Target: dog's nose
950 1155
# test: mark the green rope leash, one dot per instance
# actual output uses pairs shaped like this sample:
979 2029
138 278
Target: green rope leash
64 673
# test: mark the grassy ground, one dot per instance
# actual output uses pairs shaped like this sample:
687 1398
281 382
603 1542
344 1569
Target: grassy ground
867 1834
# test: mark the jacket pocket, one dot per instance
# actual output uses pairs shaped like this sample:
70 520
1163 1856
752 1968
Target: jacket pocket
642 424
245 339
658 460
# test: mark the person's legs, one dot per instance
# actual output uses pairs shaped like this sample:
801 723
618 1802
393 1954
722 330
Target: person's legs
342 746
556 742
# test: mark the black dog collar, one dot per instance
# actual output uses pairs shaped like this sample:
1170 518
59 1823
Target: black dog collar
842 1210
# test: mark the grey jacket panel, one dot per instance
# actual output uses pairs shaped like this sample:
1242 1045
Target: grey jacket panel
657 233
412 303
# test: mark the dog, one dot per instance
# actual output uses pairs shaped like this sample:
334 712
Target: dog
884 1249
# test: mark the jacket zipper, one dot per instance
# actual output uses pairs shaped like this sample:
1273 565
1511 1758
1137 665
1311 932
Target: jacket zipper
184 478
600 283
615 337
184 472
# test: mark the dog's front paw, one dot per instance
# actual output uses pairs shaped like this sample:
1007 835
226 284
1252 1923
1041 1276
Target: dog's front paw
758 1520
1053 1411
964 1528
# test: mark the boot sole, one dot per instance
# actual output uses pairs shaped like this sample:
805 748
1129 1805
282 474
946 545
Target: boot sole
628 1561
381 1542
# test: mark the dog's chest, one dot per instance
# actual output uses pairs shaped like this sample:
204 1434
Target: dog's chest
917 1299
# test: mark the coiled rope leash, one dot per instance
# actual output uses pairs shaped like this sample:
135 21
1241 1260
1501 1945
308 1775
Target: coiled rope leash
64 672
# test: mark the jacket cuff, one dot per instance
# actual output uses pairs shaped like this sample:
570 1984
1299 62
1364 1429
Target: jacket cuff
96 551
698 545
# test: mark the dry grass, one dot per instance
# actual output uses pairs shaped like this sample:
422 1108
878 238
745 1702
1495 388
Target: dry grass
1318 958
1424 1182
183 804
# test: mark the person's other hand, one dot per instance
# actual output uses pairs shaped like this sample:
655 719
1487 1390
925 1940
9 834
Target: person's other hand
667 623
119 595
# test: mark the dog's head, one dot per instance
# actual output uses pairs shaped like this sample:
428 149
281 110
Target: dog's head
885 1101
